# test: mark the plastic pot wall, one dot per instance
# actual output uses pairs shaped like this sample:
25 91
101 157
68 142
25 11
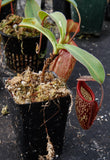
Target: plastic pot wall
92 15
31 136
107 13
22 53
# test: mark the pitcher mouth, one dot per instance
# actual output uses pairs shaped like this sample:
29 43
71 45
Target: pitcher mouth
87 89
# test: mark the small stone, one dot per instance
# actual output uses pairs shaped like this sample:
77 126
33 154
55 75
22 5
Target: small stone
4 110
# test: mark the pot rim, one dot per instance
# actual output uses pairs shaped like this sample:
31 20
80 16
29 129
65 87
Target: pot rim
11 96
23 38
68 94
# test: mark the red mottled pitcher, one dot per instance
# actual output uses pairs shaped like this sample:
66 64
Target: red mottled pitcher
64 63
85 104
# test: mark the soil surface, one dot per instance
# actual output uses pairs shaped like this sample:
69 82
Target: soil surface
79 144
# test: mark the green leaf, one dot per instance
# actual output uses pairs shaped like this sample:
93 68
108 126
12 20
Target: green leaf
31 9
73 3
5 2
93 65
43 14
34 23
60 21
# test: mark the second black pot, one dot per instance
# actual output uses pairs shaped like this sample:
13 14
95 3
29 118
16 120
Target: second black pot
22 53
62 6
5 10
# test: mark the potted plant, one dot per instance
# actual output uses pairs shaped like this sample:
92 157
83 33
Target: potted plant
19 41
43 99
7 7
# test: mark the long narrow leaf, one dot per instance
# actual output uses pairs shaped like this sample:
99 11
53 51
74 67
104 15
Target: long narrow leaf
93 65
31 9
34 23
60 21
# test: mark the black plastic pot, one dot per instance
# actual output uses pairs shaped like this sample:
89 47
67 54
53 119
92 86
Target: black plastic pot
107 12
31 136
5 10
22 53
92 16
62 6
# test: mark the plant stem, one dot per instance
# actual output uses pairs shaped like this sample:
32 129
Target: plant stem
46 64
12 10
77 27
40 41
48 60
0 4
102 91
